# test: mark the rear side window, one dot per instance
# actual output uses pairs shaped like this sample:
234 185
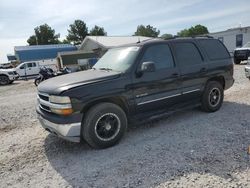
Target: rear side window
215 49
187 54
160 54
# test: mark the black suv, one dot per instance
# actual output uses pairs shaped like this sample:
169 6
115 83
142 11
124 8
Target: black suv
241 54
133 83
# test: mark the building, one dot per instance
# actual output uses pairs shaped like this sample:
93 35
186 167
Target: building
233 38
93 47
73 58
40 52
100 44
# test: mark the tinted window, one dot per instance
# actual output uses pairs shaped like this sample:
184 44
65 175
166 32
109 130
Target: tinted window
34 64
187 54
29 64
214 49
160 54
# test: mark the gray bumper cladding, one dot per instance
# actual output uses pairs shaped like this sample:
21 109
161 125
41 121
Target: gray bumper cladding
70 132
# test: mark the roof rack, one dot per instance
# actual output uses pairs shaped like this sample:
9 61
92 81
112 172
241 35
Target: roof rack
196 36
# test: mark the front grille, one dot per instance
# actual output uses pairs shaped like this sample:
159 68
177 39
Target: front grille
44 97
46 108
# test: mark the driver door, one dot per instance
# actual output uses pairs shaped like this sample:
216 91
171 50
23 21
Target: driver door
159 89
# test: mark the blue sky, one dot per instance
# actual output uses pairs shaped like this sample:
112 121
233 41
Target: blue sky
119 17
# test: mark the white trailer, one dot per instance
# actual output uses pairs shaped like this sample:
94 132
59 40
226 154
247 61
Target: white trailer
233 38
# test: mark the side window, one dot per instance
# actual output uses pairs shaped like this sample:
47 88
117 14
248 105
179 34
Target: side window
29 65
160 54
239 39
34 64
23 66
214 49
187 54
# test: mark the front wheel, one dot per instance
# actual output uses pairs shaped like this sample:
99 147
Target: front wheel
212 97
104 125
236 61
37 81
4 80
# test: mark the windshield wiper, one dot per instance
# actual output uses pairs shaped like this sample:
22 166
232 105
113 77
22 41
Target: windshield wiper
106 69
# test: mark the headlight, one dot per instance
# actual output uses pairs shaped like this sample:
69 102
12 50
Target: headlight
60 105
59 99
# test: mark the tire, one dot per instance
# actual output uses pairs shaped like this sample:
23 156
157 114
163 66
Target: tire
212 97
104 125
37 81
237 61
4 80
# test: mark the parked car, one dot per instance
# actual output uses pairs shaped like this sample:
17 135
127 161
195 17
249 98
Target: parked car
241 54
247 69
7 76
133 83
32 68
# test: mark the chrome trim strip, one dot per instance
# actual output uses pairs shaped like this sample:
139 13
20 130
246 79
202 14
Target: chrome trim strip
191 91
43 94
53 105
159 99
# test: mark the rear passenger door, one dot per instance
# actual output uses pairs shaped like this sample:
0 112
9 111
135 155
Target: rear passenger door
192 67
32 69
160 89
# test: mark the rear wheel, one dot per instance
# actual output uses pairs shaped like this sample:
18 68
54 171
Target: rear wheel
212 97
104 125
4 80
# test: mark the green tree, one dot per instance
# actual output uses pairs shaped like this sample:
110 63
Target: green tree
193 31
44 34
166 36
147 31
98 31
77 32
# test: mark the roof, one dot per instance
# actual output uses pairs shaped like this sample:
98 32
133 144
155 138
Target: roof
232 29
41 47
113 41
40 52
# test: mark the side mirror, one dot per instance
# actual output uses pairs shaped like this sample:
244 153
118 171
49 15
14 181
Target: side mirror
148 66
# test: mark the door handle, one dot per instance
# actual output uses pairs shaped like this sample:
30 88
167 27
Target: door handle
175 74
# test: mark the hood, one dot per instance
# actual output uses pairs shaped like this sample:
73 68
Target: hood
7 70
62 83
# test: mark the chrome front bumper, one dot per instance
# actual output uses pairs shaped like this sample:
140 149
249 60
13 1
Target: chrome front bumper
70 132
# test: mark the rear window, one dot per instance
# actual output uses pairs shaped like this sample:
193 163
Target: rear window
215 49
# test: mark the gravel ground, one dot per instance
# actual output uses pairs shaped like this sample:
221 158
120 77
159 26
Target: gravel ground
187 149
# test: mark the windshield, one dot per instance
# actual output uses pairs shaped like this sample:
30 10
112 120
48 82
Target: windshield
247 45
117 59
